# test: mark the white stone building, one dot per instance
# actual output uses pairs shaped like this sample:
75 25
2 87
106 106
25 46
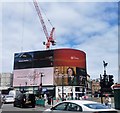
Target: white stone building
6 80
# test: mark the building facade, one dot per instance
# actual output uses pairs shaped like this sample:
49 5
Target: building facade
89 86
58 72
95 87
6 80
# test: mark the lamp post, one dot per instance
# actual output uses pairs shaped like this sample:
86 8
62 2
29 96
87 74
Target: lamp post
26 86
40 87
34 76
101 91
20 88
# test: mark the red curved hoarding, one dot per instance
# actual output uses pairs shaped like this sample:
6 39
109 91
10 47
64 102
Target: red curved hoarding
69 57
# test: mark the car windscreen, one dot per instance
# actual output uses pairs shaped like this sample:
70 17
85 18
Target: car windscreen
96 106
9 96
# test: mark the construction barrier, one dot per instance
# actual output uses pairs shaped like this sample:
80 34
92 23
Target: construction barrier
40 102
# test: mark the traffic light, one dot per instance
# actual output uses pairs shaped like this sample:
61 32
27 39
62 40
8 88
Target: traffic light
111 80
101 83
105 80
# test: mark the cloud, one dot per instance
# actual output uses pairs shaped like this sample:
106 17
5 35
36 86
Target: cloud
91 27
99 48
61 1
0 39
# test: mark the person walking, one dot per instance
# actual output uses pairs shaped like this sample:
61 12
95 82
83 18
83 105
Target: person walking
108 101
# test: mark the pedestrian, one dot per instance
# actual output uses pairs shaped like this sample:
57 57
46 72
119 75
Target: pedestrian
107 101
45 99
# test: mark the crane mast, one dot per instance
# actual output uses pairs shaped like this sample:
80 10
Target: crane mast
49 38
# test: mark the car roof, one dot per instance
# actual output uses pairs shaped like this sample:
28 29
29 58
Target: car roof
81 101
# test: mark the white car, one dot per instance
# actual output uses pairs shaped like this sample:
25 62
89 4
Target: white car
8 99
80 106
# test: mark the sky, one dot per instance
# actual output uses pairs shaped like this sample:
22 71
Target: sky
88 26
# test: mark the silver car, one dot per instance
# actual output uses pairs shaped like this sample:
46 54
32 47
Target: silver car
8 99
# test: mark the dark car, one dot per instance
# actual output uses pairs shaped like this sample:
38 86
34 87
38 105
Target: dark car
24 100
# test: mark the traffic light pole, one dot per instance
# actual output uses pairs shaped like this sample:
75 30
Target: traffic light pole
101 92
105 82
102 80
101 97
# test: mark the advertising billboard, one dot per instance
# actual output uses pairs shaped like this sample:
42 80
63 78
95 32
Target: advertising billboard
69 76
61 67
70 57
32 77
35 59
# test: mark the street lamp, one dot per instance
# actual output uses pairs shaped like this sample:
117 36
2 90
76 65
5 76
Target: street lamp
20 88
26 86
40 87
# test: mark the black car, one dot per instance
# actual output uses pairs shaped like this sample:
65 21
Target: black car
24 100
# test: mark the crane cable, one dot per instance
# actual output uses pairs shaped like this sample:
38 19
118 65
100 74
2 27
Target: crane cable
44 12
46 17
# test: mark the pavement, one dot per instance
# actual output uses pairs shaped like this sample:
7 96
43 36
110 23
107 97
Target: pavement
42 108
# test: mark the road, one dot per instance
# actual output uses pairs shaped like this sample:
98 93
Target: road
7 108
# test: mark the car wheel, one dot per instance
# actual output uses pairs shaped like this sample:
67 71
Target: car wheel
14 104
21 105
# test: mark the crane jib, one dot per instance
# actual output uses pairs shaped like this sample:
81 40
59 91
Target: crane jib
49 37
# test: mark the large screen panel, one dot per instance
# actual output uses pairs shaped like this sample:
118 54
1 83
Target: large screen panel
32 77
43 59
23 60
69 76
36 59
62 67
69 57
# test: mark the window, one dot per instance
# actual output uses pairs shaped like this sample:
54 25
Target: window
96 106
61 106
74 107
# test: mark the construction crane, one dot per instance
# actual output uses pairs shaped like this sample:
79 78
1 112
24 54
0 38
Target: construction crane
50 39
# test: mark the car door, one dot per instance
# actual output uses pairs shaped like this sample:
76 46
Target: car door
60 108
73 107
18 99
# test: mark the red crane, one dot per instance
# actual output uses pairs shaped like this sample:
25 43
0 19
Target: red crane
50 39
